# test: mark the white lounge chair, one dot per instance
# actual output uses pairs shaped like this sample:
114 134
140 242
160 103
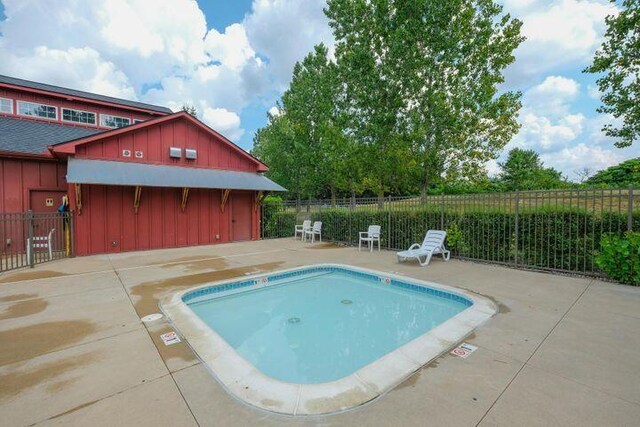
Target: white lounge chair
316 229
370 236
432 244
41 242
306 225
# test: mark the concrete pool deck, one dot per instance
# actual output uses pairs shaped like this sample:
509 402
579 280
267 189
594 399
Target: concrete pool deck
73 351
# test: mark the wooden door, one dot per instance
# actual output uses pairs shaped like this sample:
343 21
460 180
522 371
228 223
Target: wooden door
241 216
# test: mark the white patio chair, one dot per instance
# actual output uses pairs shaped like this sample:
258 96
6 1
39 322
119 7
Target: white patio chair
306 225
432 244
41 242
316 229
370 236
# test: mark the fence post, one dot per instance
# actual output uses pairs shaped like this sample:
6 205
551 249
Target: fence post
30 247
515 252
352 202
630 210
442 213
388 223
72 252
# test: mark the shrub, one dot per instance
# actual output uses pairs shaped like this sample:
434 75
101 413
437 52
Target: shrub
619 257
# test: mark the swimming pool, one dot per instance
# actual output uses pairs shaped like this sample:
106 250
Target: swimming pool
323 338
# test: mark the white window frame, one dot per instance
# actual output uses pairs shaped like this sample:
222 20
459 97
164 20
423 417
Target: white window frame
78 111
10 105
136 121
118 117
37 103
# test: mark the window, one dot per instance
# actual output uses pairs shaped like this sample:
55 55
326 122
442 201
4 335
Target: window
6 105
77 116
113 121
37 110
137 121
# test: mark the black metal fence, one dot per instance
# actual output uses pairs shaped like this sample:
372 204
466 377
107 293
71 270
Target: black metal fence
557 230
29 238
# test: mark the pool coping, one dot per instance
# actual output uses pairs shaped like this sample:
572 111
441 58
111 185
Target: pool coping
247 383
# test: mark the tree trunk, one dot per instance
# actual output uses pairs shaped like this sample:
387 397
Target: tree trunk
333 196
424 190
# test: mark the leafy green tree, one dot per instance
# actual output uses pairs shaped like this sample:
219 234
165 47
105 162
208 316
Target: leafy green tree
190 109
623 174
619 60
421 82
306 138
523 170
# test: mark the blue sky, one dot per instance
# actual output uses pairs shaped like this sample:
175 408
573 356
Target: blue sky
233 60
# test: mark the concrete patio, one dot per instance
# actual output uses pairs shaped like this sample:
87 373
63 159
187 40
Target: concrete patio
73 351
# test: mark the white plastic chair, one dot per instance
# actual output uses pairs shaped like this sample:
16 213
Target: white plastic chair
432 244
370 236
316 229
306 225
41 242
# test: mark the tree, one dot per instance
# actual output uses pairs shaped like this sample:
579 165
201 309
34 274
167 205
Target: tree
189 109
618 59
623 174
421 81
307 133
523 170
583 174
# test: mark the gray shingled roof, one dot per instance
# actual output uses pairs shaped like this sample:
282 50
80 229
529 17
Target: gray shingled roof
88 95
32 137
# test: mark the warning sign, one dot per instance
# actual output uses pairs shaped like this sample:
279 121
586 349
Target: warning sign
464 350
170 338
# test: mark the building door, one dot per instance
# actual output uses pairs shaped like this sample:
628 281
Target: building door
241 216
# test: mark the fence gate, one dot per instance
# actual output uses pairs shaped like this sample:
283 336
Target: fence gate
28 238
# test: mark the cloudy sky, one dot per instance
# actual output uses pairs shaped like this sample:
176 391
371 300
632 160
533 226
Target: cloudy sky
233 59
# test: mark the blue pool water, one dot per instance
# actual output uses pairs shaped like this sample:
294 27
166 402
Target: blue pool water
323 325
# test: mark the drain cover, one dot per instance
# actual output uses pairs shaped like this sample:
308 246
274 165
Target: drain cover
346 301
294 320
152 318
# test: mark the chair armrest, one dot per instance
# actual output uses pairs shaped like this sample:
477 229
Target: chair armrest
414 246
363 233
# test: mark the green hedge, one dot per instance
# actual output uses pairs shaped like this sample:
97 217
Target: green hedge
276 222
564 239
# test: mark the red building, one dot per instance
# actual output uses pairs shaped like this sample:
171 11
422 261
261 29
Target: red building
138 176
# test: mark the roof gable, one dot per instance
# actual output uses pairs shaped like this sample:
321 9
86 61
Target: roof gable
153 138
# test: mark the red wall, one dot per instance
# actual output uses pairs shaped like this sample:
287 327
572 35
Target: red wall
16 94
154 142
108 215
18 177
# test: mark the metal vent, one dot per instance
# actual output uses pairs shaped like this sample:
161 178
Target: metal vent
190 153
175 152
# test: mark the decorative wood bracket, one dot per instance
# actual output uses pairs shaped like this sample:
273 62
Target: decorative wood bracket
259 197
225 197
185 197
78 198
136 199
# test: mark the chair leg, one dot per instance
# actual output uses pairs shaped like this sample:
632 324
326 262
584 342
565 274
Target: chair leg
426 261
359 245
446 255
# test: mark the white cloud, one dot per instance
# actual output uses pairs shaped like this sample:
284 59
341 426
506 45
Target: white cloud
224 121
559 33
580 156
285 31
553 96
231 48
594 92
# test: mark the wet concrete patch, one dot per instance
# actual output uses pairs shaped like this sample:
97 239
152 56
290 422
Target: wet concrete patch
327 245
13 383
34 340
24 308
31 275
149 293
179 351
17 297
190 264
413 379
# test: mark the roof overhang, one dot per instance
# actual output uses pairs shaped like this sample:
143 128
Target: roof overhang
105 172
